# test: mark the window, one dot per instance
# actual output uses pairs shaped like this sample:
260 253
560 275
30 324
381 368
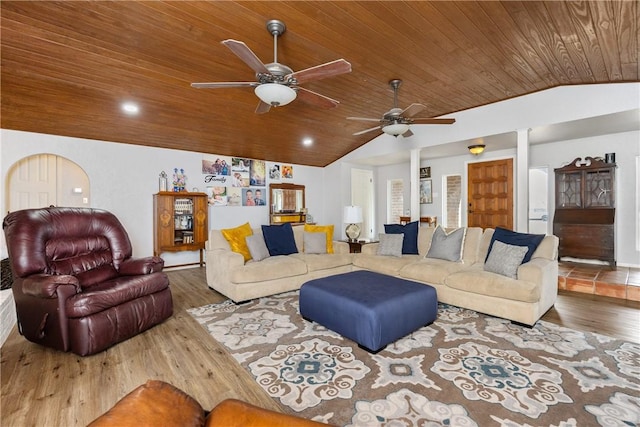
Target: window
452 206
395 200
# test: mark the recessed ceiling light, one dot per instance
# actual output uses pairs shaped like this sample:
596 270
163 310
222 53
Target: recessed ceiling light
130 108
307 141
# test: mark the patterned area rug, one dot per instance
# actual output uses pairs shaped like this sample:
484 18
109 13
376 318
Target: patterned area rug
465 369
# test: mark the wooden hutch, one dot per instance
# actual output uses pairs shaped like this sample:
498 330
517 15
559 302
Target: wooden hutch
179 222
585 210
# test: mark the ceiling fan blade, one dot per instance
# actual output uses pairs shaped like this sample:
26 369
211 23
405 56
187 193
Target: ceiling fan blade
243 52
366 130
262 108
363 119
426 121
329 69
217 85
412 110
314 98
407 134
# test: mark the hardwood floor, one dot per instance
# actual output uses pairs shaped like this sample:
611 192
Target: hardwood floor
42 387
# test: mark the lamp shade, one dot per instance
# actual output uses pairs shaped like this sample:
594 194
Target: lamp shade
395 129
275 94
352 214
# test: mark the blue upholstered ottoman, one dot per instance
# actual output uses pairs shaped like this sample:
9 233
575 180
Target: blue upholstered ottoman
369 308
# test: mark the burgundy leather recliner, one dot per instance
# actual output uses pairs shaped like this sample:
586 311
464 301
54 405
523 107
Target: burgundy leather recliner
76 286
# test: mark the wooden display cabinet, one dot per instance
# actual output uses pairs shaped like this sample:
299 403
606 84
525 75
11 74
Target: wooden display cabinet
179 222
585 210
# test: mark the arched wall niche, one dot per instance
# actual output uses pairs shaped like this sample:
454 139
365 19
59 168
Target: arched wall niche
46 179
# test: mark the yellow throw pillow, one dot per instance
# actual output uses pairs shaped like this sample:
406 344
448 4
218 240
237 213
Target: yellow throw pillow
237 238
327 229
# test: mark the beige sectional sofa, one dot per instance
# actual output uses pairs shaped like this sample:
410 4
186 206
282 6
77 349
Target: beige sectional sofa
466 284
228 274
463 284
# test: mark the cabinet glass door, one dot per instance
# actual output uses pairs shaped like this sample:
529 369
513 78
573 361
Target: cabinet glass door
598 186
568 190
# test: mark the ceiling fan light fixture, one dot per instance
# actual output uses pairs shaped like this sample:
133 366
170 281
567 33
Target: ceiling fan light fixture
395 129
476 149
275 94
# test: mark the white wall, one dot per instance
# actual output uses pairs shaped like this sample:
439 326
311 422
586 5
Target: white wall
627 147
123 179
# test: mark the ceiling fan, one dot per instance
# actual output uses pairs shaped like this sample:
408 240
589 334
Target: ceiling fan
277 84
396 121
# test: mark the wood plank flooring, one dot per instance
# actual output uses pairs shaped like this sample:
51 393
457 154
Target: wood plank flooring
43 387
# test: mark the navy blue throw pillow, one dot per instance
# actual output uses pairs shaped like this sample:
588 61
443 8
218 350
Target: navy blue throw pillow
410 231
279 239
531 241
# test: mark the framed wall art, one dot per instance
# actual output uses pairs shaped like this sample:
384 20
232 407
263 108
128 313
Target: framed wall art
426 195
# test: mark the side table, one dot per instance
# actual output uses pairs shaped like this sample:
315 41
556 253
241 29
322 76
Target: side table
355 247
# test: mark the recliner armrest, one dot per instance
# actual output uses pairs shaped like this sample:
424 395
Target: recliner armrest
138 266
46 285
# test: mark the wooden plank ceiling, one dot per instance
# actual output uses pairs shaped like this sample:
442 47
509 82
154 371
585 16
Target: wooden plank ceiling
67 66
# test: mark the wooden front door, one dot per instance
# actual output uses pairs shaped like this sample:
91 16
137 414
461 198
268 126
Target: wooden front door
490 194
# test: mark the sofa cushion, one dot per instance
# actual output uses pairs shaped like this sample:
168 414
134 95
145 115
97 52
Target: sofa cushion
410 231
477 281
390 265
505 259
315 243
430 270
257 247
390 244
327 229
316 262
274 267
279 239
237 239
531 241
447 246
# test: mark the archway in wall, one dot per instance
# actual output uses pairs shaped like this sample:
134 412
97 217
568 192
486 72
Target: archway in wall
46 179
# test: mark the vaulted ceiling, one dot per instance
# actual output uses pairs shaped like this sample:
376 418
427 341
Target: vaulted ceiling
68 66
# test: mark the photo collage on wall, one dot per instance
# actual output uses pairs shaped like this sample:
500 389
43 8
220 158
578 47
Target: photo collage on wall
234 181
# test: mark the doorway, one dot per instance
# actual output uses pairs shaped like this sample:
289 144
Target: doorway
46 180
490 194
539 200
362 195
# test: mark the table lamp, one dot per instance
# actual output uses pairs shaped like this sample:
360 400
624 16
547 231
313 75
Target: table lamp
352 217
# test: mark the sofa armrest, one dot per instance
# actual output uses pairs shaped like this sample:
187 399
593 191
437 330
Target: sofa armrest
46 285
544 273
153 403
539 270
139 266
340 247
219 263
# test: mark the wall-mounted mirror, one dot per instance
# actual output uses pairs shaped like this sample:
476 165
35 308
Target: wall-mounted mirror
287 198
287 203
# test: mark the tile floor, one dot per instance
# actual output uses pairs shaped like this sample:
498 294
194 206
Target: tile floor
620 282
